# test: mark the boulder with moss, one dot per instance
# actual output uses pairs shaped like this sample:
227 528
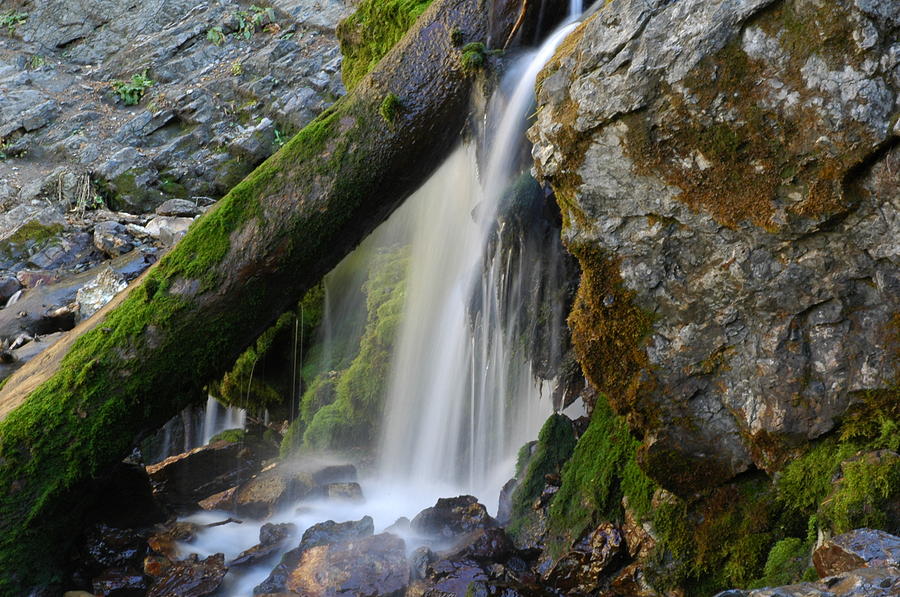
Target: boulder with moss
724 171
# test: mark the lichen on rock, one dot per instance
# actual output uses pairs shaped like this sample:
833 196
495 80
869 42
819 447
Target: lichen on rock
732 160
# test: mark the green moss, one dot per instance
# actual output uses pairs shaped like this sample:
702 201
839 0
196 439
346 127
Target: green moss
869 484
756 162
609 331
601 471
473 56
786 563
28 239
229 435
390 108
336 411
555 444
370 32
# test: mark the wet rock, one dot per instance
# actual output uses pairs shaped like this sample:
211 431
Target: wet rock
348 492
504 507
419 562
865 582
861 548
452 517
112 239
483 545
181 208
164 541
191 577
373 566
117 582
183 480
9 285
98 292
224 500
323 533
108 547
271 490
582 569
338 473
271 539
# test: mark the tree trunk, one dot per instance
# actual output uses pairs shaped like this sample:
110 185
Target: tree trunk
75 411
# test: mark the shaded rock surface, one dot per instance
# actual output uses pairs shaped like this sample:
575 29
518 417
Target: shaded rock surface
191 577
183 480
709 157
865 582
452 517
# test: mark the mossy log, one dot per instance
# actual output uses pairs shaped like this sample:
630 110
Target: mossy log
72 414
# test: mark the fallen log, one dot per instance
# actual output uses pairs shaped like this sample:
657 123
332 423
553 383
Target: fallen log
73 413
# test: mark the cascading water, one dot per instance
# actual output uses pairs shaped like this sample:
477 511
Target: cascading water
462 396
461 400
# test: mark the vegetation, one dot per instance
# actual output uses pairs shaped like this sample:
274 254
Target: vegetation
11 20
390 107
473 56
339 410
368 34
131 92
555 443
216 36
229 435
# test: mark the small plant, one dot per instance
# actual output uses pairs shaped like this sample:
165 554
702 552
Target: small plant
237 68
216 36
36 61
473 56
390 107
257 18
11 20
456 37
3 146
131 92
280 138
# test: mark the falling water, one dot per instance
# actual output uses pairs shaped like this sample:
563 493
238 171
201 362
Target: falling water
461 399
218 418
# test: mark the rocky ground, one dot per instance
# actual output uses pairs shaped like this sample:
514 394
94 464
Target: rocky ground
135 544
95 183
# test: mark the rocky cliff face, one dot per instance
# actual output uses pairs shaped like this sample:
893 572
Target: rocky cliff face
728 173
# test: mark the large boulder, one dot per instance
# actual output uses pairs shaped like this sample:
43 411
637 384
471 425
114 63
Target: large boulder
374 566
451 518
323 533
727 177
183 480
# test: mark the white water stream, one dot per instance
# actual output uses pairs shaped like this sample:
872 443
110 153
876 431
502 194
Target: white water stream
461 398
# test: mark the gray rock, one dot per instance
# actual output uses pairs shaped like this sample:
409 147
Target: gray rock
861 548
181 208
112 238
866 582
770 284
9 285
98 292
168 230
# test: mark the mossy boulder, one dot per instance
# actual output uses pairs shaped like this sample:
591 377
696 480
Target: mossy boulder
724 180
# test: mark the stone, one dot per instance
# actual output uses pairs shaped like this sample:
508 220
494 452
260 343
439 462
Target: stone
583 568
108 547
271 490
271 539
861 548
191 577
323 533
119 581
347 492
98 292
865 582
9 285
181 208
168 230
112 239
183 480
373 566
452 517
771 288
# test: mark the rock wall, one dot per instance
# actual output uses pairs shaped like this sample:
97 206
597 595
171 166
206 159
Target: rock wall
728 176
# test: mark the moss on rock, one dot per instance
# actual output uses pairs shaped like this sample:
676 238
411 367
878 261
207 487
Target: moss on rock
367 35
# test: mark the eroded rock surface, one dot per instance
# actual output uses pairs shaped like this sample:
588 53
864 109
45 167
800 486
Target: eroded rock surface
727 175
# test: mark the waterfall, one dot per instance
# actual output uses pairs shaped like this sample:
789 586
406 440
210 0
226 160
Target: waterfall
217 419
461 398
